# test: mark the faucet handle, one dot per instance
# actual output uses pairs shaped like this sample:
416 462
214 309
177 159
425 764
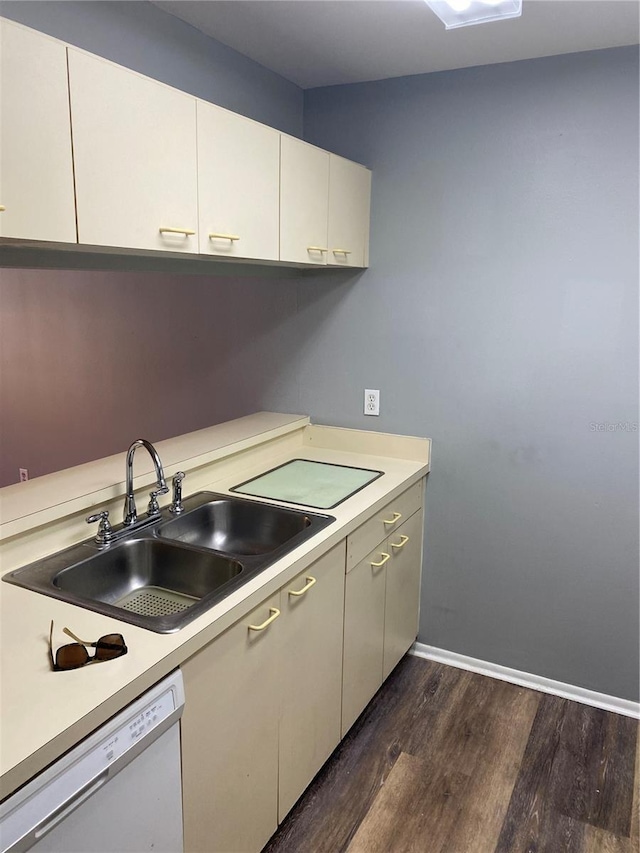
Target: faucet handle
105 531
176 504
154 506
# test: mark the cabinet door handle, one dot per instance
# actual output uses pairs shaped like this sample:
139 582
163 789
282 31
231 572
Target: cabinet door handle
316 249
396 517
381 562
309 583
342 251
187 232
2 207
215 236
274 615
403 541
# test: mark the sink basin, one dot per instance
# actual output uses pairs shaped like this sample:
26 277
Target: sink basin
148 577
236 526
142 580
174 569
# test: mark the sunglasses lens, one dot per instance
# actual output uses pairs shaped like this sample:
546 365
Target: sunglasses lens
110 646
71 656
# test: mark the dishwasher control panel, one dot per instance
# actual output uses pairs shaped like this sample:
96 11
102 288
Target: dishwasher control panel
138 727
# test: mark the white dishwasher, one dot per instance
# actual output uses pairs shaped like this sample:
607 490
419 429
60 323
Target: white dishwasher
119 791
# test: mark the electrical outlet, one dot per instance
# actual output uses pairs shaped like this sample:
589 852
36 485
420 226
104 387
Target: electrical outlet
24 474
371 402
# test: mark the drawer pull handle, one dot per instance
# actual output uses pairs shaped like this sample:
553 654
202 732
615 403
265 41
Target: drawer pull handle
342 251
403 541
274 615
2 207
309 583
396 517
316 249
381 562
231 237
187 232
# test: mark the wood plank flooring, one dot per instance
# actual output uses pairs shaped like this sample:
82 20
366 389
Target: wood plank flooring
447 761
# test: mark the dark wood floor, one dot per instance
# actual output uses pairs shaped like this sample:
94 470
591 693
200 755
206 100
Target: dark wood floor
446 760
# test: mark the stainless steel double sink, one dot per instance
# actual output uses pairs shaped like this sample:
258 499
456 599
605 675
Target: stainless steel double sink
168 573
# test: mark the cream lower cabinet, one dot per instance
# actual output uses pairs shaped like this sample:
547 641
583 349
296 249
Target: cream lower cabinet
310 638
365 589
229 733
238 185
382 599
269 699
402 598
134 149
36 173
262 712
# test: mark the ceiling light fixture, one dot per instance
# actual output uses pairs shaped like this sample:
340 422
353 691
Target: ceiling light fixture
463 13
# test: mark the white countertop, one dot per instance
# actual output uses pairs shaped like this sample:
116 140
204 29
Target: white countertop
43 712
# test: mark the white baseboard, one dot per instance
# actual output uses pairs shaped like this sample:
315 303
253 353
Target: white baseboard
526 679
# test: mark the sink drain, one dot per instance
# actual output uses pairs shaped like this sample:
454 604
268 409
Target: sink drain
155 601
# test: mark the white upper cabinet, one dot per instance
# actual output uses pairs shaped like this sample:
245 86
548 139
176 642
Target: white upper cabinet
304 202
324 213
134 145
349 203
96 154
238 185
36 175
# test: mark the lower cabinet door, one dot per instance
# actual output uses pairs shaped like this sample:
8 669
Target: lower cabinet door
403 590
363 634
310 641
229 733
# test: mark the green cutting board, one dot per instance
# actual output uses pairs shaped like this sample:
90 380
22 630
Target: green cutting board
316 484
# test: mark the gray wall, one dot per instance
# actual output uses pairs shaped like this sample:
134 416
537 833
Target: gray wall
500 317
140 36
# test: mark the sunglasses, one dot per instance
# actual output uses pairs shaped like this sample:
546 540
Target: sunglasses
75 655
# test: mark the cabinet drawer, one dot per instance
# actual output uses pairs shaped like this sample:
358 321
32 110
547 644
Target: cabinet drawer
372 532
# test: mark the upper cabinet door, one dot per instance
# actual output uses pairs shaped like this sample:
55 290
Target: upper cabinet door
304 202
134 144
36 175
238 185
349 203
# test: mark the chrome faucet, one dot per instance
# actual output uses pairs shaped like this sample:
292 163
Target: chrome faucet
130 512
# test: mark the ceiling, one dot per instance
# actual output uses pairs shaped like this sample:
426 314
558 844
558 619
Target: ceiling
326 42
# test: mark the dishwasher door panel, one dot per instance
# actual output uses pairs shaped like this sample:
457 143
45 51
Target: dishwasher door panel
139 810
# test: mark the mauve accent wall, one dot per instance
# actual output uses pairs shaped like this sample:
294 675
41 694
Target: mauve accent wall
500 317
90 361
